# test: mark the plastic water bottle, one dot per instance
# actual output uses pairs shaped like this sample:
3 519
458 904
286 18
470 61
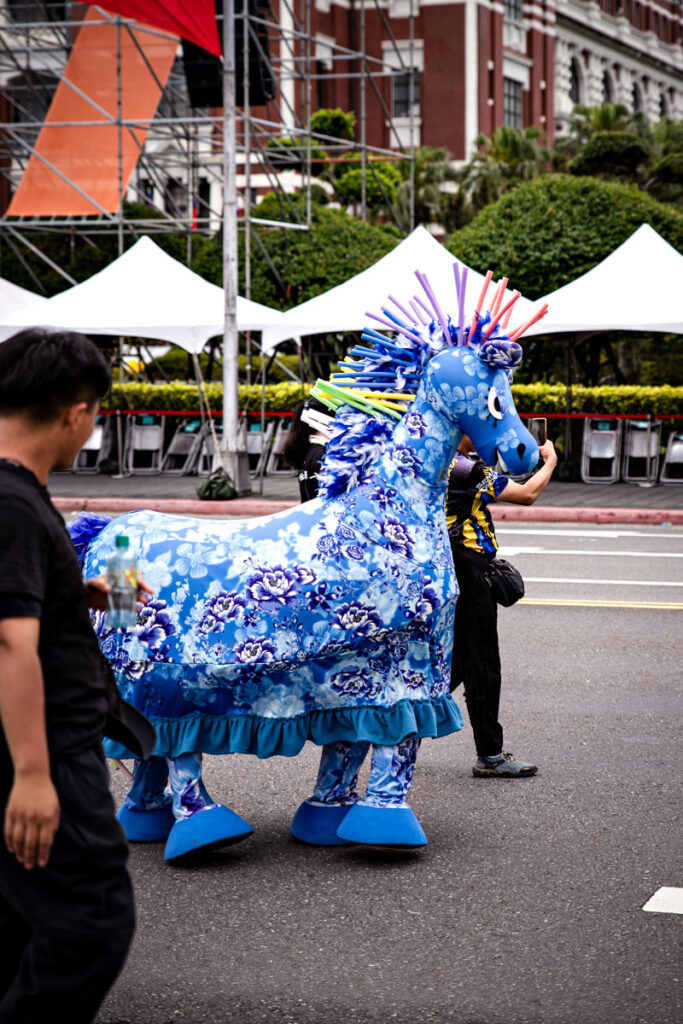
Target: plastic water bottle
122 577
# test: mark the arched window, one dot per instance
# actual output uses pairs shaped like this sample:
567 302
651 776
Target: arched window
575 82
607 88
637 98
663 105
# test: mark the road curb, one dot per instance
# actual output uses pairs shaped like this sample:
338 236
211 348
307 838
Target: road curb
263 507
182 506
585 514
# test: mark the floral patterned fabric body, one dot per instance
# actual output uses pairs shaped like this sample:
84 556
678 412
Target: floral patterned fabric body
331 621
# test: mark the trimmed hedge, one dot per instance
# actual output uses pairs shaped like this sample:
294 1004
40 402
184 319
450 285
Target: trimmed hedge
531 398
181 396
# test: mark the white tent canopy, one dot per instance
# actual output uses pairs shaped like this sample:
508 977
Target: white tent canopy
13 298
638 287
144 293
344 307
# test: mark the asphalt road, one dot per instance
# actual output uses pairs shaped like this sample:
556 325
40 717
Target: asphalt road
526 907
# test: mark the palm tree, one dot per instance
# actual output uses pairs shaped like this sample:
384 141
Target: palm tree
435 188
585 122
507 158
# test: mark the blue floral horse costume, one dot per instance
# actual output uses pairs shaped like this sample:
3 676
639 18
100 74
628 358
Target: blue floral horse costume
330 622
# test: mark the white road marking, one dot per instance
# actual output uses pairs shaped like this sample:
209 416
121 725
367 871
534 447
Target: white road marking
512 550
587 602
617 583
667 900
535 531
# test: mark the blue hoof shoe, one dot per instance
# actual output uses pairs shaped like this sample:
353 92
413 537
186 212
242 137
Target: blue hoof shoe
206 830
382 826
146 826
317 824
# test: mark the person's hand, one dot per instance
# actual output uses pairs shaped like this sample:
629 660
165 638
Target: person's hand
144 590
97 590
31 819
548 453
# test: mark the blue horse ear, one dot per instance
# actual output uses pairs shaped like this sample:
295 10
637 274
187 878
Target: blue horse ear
500 352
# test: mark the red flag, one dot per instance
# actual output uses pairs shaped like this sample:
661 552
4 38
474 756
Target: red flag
190 19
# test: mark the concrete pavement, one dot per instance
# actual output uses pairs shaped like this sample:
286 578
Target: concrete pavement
560 502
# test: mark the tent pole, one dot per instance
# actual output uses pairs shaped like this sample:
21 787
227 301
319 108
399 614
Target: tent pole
237 462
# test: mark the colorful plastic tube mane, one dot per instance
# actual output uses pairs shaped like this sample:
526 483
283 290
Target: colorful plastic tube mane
332 621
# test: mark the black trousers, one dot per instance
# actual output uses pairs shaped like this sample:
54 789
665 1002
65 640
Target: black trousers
65 929
476 658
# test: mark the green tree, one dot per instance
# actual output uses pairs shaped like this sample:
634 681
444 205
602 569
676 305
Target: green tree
545 233
585 122
290 154
437 198
612 155
382 180
288 267
84 253
337 124
664 176
509 156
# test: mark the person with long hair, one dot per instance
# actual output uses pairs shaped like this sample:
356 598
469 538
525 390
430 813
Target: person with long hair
305 447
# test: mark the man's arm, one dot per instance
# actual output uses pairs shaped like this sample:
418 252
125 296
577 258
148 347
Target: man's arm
529 491
32 814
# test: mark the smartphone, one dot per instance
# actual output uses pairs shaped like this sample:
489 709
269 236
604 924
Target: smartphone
538 428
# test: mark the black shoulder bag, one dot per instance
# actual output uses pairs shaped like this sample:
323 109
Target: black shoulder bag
505 581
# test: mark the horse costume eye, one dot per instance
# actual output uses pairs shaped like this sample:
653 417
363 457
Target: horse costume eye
494 404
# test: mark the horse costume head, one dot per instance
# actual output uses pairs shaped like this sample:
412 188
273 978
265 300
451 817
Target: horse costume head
461 370
474 384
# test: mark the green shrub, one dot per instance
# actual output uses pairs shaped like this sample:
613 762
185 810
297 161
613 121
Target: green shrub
544 398
548 232
529 398
381 182
177 366
292 155
611 154
183 396
336 123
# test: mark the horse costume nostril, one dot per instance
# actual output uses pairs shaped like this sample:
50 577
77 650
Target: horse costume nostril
266 633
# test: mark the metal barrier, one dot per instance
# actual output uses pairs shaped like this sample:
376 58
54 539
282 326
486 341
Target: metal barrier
600 450
672 466
640 457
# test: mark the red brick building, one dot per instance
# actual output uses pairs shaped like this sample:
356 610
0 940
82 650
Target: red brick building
483 63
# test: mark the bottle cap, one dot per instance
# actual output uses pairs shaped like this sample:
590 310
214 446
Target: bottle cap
122 541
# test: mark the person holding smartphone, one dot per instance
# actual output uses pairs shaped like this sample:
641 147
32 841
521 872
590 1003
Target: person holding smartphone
472 487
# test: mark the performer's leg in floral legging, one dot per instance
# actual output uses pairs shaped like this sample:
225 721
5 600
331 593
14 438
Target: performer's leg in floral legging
322 819
164 801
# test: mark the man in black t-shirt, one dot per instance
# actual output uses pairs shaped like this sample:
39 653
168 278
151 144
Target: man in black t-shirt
66 905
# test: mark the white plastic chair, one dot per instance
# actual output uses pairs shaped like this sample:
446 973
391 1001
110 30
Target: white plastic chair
600 450
672 466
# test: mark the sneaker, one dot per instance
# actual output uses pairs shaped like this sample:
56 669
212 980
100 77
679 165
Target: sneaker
507 768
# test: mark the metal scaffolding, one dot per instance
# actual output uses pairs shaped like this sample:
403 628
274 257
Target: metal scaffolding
202 169
180 170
